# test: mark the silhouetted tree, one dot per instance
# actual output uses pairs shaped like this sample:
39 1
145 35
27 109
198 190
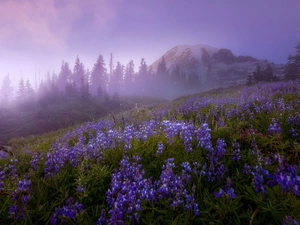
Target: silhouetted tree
84 88
64 76
268 73
162 72
6 91
292 68
142 80
79 75
29 92
21 94
117 78
98 76
129 76
257 74
250 80
176 75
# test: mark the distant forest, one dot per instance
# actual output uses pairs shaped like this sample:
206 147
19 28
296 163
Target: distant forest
118 79
102 82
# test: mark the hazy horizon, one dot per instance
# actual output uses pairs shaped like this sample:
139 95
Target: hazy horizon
36 36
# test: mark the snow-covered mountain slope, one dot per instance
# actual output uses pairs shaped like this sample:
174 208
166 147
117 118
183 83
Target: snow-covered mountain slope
213 63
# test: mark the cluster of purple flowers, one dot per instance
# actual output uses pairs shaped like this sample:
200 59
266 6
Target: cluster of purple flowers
236 154
274 127
20 197
2 178
204 137
287 178
36 159
172 187
70 211
290 221
127 189
187 135
160 148
228 191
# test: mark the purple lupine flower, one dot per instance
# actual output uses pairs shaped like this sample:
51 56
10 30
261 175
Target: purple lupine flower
160 148
37 157
287 178
2 178
186 171
20 197
259 179
290 221
294 133
204 137
71 211
187 134
127 189
102 219
171 187
80 189
228 191
236 151
274 127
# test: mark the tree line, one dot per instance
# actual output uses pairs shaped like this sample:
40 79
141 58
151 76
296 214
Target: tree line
291 70
101 82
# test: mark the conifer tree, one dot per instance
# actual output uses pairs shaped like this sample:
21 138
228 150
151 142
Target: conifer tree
6 90
257 74
64 76
162 72
129 76
117 78
78 74
142 79
268 73
29 92
98 76
175 75
21 94
292 68
250 79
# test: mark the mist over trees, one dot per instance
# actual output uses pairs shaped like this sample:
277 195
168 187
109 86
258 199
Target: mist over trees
115 79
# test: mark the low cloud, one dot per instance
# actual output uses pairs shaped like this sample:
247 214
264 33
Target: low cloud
34 24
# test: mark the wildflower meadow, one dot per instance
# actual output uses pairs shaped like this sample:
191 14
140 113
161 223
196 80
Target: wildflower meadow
228 156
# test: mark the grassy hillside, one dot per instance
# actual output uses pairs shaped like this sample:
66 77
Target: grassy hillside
221 157
36 118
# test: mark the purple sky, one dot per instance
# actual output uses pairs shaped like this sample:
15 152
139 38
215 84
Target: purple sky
45 32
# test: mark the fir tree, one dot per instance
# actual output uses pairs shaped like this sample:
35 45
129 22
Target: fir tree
129 75
98 76
6 90
79 74
292 68
29 92
21 94
268 73
162 72
64 76
250 80
257 74
117 78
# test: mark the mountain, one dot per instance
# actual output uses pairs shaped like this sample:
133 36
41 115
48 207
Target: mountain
213 64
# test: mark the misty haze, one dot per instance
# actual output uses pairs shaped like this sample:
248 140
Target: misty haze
149 112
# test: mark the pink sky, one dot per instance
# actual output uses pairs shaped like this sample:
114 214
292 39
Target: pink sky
45 32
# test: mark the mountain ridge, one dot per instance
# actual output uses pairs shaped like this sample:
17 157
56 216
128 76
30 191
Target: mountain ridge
216 63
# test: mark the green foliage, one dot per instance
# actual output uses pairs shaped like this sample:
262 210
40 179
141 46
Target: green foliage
95 173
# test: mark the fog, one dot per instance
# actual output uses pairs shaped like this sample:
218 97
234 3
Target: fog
77 81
